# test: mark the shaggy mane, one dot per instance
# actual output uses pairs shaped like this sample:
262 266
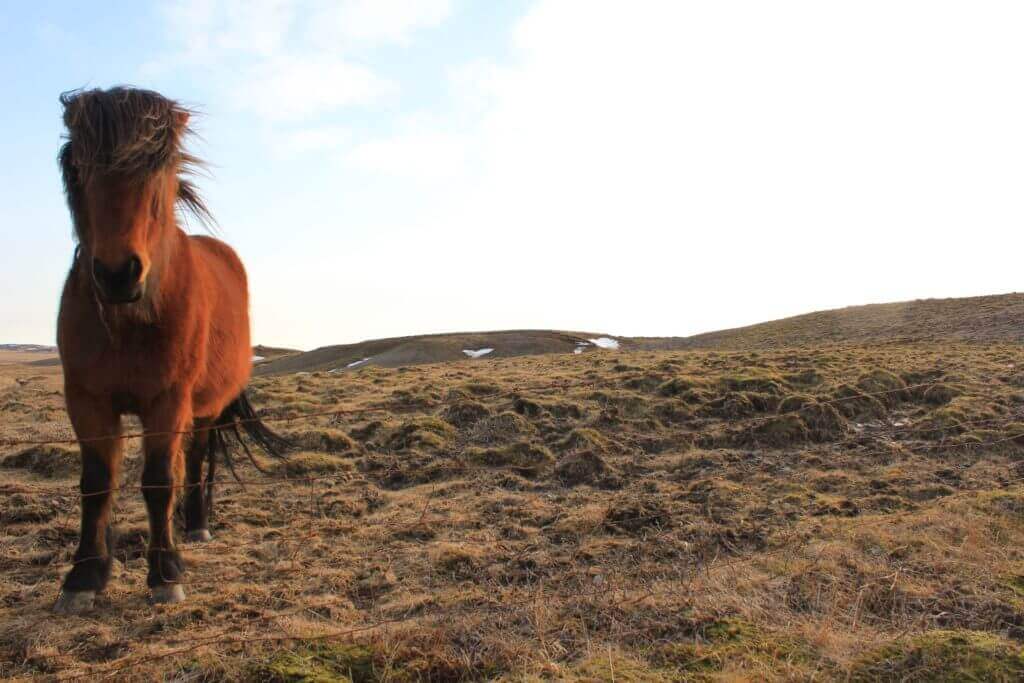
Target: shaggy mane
130 132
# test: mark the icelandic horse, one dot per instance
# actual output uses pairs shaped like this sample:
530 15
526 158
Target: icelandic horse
153 322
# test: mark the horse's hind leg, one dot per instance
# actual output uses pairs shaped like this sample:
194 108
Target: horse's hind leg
197 528
162 476
101 463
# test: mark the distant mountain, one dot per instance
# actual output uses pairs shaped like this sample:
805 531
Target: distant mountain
28 348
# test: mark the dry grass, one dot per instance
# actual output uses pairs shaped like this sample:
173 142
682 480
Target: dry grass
650 516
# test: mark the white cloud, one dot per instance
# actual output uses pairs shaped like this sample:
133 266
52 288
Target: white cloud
429 156
291 59
374 21
730 162
288 88
290 143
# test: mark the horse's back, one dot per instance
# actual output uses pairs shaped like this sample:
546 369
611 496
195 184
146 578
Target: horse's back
229 348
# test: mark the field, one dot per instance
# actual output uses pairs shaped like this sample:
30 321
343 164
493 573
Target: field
826 511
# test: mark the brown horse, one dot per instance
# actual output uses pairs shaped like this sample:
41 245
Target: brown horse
153 322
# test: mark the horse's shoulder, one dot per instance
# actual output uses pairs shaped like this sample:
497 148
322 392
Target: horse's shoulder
215 248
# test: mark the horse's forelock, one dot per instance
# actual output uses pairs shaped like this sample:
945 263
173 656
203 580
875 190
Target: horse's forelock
130 132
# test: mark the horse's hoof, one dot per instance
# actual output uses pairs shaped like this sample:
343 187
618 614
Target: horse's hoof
74 602
198 536
168 594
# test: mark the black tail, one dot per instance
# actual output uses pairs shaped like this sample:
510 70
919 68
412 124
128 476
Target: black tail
241 414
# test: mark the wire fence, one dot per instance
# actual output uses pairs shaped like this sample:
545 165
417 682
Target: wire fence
793 542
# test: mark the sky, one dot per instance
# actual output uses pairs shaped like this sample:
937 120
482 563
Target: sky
641 167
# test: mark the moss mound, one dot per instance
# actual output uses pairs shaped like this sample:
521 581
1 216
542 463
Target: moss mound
735 404
465 413
430 433
583 439
795 402
940 394
677 386
854 403
323 439
634 516
53 461
501 427
523 456
319 664
306 463
778 431
724 642
804 378
886 386
760 381
944 656
824 422
584 467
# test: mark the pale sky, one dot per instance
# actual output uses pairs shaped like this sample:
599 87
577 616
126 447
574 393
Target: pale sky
392 167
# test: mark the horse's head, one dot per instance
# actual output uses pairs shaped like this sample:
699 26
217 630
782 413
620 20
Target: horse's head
121 166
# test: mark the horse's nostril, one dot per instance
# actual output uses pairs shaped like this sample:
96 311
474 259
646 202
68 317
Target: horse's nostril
99 271
134 269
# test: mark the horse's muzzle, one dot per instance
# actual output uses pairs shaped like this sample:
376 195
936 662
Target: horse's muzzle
122 285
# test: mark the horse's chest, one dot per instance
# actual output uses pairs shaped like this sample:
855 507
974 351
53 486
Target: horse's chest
134 373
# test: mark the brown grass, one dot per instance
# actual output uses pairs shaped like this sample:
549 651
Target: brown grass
630 516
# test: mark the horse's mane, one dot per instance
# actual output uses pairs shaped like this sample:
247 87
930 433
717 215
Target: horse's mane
130 132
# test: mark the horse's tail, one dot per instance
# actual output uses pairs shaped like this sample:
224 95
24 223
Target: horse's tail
240 414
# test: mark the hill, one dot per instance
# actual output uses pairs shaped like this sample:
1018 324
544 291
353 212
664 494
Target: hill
995 318
436 348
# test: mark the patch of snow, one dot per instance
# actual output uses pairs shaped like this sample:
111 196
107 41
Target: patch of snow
477 353
257 359
605 343
578 350
353 364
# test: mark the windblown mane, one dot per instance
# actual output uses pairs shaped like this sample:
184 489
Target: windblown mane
130 132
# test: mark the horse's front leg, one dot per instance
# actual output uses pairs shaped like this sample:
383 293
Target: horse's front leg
162 478
98 427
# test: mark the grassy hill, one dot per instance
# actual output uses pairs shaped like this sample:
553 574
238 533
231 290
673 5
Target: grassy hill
997 317
432 348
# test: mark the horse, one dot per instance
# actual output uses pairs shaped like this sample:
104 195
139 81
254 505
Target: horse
153 322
